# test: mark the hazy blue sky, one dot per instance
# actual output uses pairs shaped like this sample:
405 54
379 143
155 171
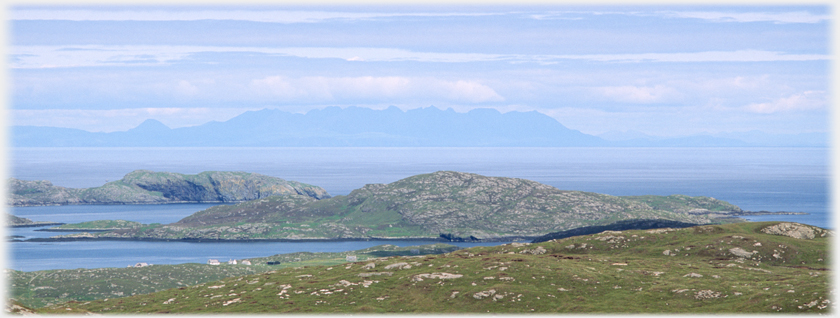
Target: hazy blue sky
662 70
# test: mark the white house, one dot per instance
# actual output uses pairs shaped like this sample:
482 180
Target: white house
245 262
232 262
141 265
213 262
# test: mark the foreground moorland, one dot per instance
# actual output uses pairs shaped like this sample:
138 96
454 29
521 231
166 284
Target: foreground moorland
448 204
49 287
734 268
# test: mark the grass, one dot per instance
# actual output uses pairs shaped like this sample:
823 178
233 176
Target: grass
610 272
100 225
43 288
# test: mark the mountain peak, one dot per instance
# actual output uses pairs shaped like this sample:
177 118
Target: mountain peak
150 125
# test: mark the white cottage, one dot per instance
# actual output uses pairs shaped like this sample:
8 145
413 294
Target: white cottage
213 262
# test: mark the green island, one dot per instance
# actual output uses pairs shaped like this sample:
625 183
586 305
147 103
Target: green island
448 205
746 267
99 225
149 187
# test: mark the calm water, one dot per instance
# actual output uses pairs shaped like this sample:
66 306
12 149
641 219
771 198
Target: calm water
773 179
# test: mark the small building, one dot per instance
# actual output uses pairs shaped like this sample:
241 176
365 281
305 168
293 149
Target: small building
141 265
213 262
232 262
245 262
351 258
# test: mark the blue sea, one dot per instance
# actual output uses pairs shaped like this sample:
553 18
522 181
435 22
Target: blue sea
755 179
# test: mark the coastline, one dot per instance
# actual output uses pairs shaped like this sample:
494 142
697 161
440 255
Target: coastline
37 224
195 240
126 203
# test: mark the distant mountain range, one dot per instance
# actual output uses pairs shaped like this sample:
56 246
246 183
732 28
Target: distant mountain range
391 127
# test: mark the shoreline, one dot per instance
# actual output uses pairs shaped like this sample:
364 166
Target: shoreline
361 239
37 224
126 203
755 213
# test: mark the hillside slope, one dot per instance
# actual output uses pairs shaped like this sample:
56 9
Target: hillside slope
143 187
454 205
764 267
49 287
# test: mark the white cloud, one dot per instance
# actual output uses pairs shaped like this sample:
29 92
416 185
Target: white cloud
186 88
271 16
809 100
370 88
134 55
707 56
637 94
775 17
715 16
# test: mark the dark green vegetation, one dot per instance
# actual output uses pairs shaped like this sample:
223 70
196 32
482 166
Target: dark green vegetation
43 288
455 205
734 268
143 187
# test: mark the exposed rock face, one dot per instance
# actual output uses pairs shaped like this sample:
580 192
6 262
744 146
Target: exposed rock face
143 186
618 226
796 230
740 252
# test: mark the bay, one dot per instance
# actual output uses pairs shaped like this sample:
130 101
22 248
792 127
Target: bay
772 179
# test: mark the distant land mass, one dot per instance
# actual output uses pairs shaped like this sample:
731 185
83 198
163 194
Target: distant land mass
14 221
391 127
149 187
447 205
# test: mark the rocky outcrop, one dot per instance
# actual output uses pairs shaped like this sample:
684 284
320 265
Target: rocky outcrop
145 187
14 221
617 226
796 230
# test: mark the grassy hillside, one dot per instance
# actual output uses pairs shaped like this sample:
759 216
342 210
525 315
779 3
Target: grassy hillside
42 288
455 204
735 268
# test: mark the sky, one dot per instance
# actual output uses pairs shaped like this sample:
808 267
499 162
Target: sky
666 71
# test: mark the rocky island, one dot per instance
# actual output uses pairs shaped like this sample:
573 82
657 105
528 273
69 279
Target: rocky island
14 221
149 187
442 205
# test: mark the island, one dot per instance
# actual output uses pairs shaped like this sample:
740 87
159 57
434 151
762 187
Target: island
14 221
150 187
444 205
